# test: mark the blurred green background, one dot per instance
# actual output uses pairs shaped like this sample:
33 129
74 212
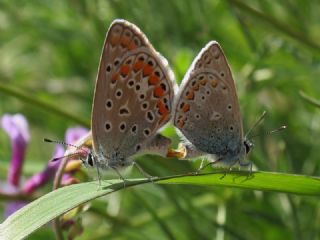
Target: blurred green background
50 51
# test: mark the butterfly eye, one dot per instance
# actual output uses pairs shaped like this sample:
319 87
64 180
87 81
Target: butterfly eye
248 145
89 160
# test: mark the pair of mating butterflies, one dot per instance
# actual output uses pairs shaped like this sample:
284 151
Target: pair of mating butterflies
135 95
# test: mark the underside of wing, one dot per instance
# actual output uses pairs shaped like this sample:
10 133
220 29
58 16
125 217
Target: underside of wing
207 109
134 92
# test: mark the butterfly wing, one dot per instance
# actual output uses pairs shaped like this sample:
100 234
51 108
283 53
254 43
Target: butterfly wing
133 95
207 110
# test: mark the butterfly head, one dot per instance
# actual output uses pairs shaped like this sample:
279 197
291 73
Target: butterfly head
114 161
248 145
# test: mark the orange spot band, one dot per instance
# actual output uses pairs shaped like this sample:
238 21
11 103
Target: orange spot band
132 46
138 66
162 108
147 70
125 41
114 77
190 95
114 40
186 108
158 92
124 70
153 80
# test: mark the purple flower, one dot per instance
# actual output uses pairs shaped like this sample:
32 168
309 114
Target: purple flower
68 179
48 173
12 207
40 179
74 134
16 126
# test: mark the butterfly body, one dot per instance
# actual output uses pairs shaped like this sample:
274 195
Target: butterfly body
133 97
207 111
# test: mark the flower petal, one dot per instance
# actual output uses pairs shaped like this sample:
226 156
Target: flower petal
42 178
16 126
73 134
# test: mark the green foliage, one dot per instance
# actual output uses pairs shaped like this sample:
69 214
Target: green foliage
53 204
50 53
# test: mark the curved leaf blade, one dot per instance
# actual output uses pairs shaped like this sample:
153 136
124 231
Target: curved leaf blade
263 181
43 210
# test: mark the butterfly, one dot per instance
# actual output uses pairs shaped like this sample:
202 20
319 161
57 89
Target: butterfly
207 112
133 99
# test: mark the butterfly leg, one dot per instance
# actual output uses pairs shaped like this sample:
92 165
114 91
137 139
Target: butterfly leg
230 168
98 174
202 167
144 173
120 176
247 164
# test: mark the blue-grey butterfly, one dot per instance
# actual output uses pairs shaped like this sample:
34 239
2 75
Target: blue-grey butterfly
133 99
207 111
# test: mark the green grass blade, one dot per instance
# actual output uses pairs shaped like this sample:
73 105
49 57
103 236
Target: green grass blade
27 98
41 211
263 181
309 99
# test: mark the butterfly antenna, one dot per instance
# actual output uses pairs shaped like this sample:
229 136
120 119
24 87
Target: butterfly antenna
60 142
272 131
66 144
262 116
